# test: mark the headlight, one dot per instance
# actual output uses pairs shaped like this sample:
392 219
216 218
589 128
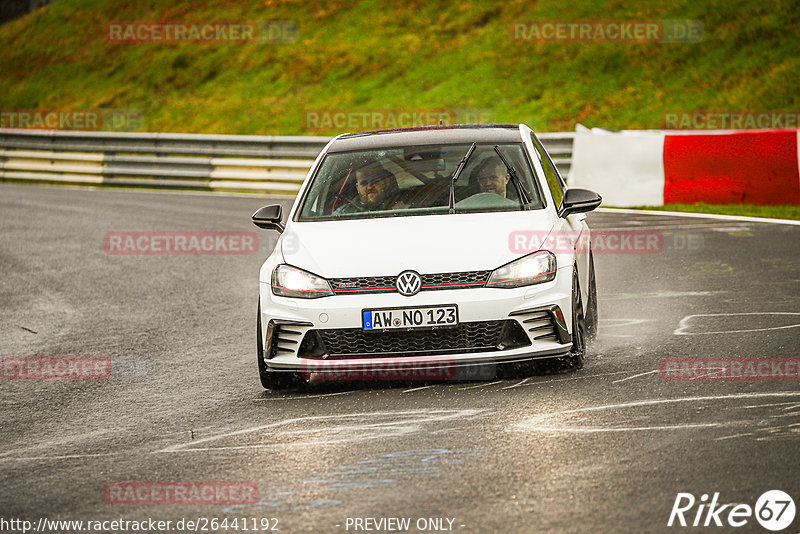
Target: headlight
288 281
535 268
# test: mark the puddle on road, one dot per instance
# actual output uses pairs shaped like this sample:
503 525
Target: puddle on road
733 414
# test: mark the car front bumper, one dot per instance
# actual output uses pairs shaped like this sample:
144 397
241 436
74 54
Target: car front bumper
536 318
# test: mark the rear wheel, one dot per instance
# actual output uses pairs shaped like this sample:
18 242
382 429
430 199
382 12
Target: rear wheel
271 379
592 317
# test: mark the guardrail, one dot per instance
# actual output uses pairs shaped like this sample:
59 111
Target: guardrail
265 164
559 146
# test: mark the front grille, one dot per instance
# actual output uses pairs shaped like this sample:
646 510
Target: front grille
480 336
430 282
454 280
372 284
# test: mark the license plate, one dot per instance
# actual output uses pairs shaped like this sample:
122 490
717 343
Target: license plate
401 318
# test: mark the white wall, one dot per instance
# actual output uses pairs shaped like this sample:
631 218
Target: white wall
625 168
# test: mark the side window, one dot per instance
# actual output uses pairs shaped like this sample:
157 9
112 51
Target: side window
553 180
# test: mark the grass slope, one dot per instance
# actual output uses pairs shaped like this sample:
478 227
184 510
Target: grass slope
368 55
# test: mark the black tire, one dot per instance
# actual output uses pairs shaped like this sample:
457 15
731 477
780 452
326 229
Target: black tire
272 379
577 354
592 317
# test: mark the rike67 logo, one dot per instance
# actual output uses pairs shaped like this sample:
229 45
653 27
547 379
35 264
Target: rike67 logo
774 510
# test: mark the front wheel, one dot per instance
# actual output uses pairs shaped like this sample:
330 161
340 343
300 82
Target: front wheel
271 379
577 353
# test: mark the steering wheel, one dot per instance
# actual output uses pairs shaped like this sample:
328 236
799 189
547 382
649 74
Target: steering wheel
485 200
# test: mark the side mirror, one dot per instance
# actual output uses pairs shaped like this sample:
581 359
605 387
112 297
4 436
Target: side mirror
269 217
579 201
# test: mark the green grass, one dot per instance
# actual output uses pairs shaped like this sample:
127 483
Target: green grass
356 56
750 210
417 55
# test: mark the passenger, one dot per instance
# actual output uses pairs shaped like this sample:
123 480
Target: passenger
492 177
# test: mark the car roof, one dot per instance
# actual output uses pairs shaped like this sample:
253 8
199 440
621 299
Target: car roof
427 135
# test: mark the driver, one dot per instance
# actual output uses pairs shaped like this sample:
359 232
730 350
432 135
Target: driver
375 186
492 177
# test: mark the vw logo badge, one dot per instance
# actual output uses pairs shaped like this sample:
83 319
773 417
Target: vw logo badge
409 283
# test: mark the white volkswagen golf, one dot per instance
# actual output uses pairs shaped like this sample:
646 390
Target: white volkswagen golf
443 246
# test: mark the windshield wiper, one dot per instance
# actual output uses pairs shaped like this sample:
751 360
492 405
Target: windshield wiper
456 174
521 193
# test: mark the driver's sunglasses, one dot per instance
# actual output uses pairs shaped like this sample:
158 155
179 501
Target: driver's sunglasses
369 181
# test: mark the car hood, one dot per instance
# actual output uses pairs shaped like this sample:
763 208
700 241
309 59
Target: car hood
426 244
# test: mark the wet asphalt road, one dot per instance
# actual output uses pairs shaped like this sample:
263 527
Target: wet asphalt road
603 449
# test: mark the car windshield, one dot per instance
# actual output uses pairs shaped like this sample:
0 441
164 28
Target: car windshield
417 180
